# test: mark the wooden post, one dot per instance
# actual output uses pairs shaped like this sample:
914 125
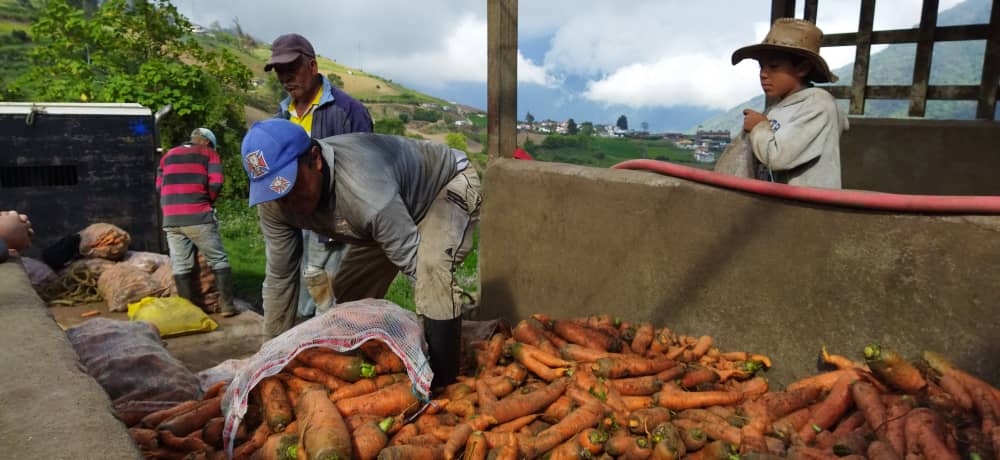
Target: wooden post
862 55
986 109
922 64
502 77
809 14
782 9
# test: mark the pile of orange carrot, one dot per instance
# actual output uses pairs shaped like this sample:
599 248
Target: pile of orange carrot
596 387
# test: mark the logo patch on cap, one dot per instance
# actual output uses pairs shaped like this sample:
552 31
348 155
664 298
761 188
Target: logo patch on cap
280 184
256 165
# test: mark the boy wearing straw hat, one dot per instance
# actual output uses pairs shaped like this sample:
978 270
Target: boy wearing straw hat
797 138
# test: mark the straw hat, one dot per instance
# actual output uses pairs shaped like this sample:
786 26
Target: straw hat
795 36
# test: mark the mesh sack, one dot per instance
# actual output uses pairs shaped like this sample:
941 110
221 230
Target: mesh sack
206 295
148 262
341 329
122 284
164 278
129 361
105 241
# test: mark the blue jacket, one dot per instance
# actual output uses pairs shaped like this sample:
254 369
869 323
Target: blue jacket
337 113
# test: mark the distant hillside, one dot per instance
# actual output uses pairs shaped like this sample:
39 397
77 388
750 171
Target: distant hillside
953 63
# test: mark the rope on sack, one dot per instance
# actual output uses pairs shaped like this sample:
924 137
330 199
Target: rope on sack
78 285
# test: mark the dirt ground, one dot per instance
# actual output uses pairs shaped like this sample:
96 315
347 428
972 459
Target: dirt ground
473 145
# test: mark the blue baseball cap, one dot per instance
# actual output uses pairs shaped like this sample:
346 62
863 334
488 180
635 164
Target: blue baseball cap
206 133
270 157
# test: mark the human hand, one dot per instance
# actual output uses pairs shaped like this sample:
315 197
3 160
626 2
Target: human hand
15 229
751 118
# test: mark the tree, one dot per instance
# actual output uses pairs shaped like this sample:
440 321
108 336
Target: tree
404 117
335 80
645 126
140 51
529 118
390 126
622 123
457 141
571 127
587 128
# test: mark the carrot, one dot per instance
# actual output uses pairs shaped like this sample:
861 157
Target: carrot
831 409
391 400
661 342
694 439
925 435
696 375
162 453
216 389
279 446
542 356
507 451
643 420
519 405
185 423
212 432
514 425
526 332
639 450
256 440
838 361
277 408
668 441
670 374
344 367
712 425
627 366
637 402
411 452
404 434
569 450
552 338
866 397
459 438
791 423
559 409
783 403
580 335
156 418
322 431
592 440
881 450
618 443
367 440
701 346
317 376
892 368
386 362
824 382
584 417
490 356
673 397
529 360
643 337
637 386
144 437
954 387
461 408
365 386
583 354
475 447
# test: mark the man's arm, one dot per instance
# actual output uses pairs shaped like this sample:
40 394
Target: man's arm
280 292
215 178
397 234
792 143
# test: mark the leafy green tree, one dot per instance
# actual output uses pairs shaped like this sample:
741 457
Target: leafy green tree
457 141
390 126
587 128
404 117
335 80
571 127
426 115
529 145
622 123
140 51
529 118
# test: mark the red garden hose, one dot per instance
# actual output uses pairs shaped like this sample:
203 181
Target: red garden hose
847 198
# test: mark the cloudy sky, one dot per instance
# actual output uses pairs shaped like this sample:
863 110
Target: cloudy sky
667 61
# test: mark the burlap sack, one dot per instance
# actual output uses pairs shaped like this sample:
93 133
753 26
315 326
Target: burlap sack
105 241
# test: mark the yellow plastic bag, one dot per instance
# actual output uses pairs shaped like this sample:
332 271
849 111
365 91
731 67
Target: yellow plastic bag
171 315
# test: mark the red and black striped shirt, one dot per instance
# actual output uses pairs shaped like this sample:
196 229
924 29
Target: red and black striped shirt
189 180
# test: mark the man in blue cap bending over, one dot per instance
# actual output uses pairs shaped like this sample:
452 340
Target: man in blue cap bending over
402 204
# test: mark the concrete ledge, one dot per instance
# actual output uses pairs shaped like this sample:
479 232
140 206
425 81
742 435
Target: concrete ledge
50 408
759 274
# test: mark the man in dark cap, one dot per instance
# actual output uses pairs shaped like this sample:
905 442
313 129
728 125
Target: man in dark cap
323 110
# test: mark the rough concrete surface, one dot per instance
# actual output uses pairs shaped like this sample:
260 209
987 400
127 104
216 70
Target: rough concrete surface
49 407
759 274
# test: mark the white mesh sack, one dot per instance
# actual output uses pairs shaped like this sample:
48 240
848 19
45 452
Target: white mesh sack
342 328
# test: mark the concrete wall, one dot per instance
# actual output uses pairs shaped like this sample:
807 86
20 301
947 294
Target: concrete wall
931 157
51 408
758 274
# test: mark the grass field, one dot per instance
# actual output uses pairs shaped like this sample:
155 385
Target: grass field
604 152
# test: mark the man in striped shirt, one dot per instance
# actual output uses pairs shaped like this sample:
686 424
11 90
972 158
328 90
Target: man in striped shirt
189 180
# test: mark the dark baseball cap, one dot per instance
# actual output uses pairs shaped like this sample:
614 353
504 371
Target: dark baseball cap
287 48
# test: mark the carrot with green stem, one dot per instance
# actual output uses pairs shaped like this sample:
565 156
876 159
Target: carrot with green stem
314 375
830 410
514 425
323 434
894 369
586 416
404 434
569 450
476 447
277 408
669 444
411 452
673 397
838 361
643 337
696 375
523 355
592 440
370 438
643 420
559 409
712 425
392 400
925 435
279 446
629 366
257 439
366 386
581 354
637 386
694 439
386 362
580 335
824 382
780 404
519 405
344 367
494 349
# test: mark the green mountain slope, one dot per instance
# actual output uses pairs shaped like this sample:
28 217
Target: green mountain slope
953 63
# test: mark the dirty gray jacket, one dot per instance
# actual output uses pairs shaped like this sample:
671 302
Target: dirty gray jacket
801 143
379 188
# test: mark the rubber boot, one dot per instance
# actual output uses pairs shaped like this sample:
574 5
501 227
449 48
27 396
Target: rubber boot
185 286
321 290
444 344
62 252
224 283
